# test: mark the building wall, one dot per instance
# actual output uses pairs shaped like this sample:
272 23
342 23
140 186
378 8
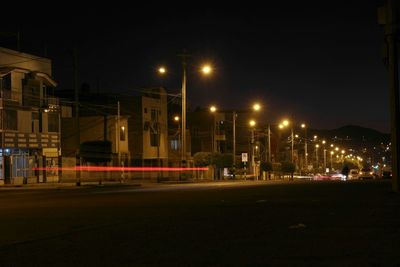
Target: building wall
11 58
159 105
28 143
92 129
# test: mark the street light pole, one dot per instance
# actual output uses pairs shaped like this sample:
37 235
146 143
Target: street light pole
305 145
323 143
183 137
253 163
269 143
292 137
234 139
316 156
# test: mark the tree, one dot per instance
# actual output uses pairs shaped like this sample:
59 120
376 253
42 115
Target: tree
266 166
288 167
220 161
202 159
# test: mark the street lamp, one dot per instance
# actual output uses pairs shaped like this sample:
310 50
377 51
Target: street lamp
252 124
323 143
257 107
316 155
303 125
176 119
284 124
213 110
206 70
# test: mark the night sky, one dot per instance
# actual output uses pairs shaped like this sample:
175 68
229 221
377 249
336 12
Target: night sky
314 62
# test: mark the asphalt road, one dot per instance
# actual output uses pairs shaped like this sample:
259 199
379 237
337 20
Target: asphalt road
218 224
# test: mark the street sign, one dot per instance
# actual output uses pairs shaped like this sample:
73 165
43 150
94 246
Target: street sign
244 157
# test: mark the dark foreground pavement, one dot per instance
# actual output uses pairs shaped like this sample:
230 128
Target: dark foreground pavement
242 224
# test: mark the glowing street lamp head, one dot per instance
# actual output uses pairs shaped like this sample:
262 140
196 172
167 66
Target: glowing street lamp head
281 126
213 109
256 107
176 118
303 125
206 69
285 123
317 146
162 70
252 123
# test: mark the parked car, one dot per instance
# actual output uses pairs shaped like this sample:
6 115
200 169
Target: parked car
353 174
366 173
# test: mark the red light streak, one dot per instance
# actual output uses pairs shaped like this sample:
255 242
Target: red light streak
119 169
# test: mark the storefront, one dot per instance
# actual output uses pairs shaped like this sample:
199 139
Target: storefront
29 158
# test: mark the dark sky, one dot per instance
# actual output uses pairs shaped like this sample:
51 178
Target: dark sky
317 62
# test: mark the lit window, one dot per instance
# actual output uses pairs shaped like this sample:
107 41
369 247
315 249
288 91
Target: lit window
122 133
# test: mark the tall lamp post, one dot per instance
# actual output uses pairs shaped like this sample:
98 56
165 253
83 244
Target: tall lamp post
206 69
214 146
303 125
234 141
316 156
323 143
176 119
284 124
252 124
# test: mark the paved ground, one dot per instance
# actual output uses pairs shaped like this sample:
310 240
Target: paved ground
211 224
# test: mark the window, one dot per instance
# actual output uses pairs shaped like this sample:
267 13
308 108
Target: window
122 133
53 122
35 122
154 114
10 120
6 86
174 144
31 93
154 139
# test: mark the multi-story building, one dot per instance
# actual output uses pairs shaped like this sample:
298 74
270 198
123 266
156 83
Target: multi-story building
144 118
29 119
148 128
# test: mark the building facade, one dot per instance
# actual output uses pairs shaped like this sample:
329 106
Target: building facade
149 128
29 119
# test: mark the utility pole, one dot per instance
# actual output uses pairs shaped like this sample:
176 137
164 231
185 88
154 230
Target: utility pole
183 57
388 17
118 133
253 163
292 137
78 138
234 142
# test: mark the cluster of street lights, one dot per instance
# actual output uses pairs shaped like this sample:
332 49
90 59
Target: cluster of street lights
206 69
